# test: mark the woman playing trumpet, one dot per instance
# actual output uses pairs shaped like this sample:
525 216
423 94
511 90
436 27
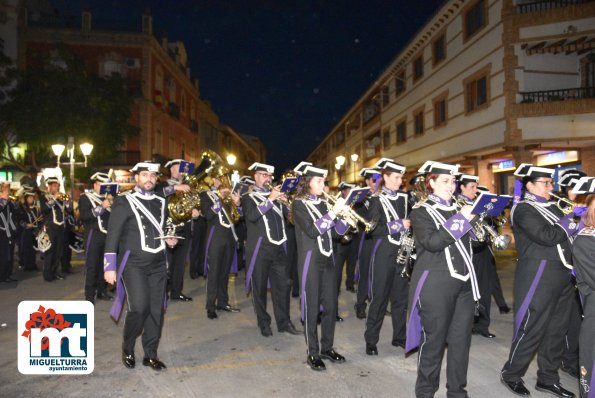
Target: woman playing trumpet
388 210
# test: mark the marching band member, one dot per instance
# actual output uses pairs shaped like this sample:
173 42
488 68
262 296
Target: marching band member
388 210
53 208
7 233
443 289
316 224
135 258
583 253
95 210
542 285
371 177
29 219
176 256
291 240
220 248
483 260
266 252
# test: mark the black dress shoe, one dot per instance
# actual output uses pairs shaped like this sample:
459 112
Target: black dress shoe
59 277
339 319
154 363
315 363
105 296
290 328
483 333
211 314
332 356
181 297
504 309
555 389
228 308
350 289
266 331
516 387
360 313
371 349
194 275
399 343
128 360
11 279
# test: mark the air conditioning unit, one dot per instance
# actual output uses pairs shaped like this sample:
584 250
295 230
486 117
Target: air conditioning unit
132 63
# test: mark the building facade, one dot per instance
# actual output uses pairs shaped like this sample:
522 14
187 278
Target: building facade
487 84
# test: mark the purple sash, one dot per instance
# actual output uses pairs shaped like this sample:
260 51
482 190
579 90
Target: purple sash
206 264
251 266
116 309
303 287
371 270
414 329
525 306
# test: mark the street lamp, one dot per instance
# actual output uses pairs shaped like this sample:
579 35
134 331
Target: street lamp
354 158
58 150
231 159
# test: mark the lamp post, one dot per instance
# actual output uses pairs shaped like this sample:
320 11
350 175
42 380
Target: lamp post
58 150
340 162
354 158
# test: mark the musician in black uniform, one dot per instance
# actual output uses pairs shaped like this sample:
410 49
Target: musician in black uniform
315 225
388 211
29 220
291 242
220 247
443 290
177 255
8 229
346 249
483 260
542 285
53 208
364 249
135 258
266 253
568 179
95 210
583 253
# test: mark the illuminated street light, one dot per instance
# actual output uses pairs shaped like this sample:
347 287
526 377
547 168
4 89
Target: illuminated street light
58 150
340 160
354 158
231 159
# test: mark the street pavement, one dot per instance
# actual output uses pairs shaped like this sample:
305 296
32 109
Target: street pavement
228 357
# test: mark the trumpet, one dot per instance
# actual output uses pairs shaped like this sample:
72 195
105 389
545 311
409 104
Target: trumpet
569 208
351 217
287 201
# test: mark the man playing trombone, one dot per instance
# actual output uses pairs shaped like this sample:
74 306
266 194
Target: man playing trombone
266 250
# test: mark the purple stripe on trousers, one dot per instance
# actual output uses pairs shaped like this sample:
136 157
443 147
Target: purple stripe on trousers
304 278
88 243
414 328
371 270
359 254
528 298
206 264
251 266
116 309
234 261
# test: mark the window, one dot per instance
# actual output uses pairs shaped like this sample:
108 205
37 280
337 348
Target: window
339 138
476 18
418 67
386 139
372 145
440 110
418 122
370 111
477 91
402 131
385 96
438 50
400 85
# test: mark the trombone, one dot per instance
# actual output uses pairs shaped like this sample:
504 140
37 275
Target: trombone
351 217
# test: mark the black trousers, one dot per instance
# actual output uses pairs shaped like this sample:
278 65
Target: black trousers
176 260
446 309
145 289
318 288
346 258
66 255
26 251
291 245
94 282
543 326
587 345
53 255
387 284
5 257
571 342
197 250
271 264
483 260
219 258
496 286
364 268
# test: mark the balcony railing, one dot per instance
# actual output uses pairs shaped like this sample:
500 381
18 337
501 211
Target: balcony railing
538 6
558 95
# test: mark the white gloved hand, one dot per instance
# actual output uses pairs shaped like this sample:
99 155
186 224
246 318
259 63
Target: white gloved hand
339 206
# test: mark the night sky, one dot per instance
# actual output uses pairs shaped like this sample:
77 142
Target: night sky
284 73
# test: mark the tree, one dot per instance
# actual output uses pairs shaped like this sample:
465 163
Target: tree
55 98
